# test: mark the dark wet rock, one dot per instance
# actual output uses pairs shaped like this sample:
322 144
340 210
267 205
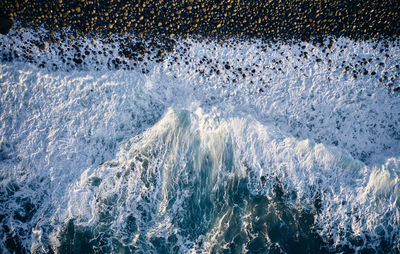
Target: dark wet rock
77 60
5 24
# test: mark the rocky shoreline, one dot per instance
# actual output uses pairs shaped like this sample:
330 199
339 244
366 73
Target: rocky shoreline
271 20
130 35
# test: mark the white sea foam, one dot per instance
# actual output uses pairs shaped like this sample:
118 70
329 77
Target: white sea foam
103 148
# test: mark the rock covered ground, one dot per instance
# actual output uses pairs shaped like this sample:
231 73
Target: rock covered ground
272 19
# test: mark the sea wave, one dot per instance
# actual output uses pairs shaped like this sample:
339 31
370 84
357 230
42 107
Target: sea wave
239 146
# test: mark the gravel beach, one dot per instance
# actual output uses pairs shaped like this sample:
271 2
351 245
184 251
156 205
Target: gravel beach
269 20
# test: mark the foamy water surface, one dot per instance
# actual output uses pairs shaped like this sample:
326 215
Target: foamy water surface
238 147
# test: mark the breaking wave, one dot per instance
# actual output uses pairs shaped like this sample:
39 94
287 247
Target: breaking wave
236 147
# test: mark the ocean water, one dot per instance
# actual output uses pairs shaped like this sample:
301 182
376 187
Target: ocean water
236 147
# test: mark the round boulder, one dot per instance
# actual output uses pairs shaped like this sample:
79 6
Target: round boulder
5 24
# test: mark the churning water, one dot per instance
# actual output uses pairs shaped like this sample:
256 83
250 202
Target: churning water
196 155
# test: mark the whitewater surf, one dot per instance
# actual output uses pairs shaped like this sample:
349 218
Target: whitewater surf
121 144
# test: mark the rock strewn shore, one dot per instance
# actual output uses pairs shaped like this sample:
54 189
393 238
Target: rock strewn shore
149 29
269 20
